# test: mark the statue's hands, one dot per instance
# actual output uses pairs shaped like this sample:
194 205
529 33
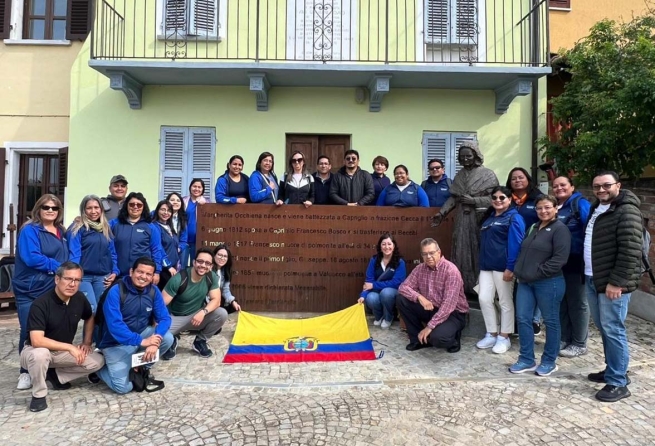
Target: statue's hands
467 199
437 219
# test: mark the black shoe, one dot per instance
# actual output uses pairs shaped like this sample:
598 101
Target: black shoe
93 378
536 328
38 404
52 377
413 346
458 344
171 352
611 394
599 377
200 346
218 331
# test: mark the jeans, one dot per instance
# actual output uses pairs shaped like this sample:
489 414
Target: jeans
382 303
609 316
23 305
93 286
118 362
547 295
574 311
536 317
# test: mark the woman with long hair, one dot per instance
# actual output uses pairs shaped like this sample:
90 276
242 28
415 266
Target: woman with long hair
169 241
179 220
135 236
298 184
223 269
263 183
501 234
232 186
386 271
191 202
40 249
403 192
91 245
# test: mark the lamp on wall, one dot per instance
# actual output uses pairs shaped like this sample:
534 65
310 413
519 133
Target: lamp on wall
360 95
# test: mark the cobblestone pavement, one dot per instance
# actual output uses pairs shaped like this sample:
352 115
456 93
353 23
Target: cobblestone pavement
427 397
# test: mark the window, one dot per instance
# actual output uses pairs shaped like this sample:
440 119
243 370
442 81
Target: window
564 4
39 174
45 19
451 22
186 153
444 146
191 19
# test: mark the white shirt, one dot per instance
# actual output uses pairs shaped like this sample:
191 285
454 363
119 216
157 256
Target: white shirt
601 209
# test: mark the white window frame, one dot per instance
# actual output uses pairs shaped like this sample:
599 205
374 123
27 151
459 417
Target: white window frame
450 160
221 26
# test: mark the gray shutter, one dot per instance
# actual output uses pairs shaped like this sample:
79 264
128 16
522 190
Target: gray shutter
436 15
175 18
172 140
457 140
466 19
202 146
436 145
204 18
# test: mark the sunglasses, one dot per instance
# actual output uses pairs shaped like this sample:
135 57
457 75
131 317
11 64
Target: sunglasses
135 205
351 158
435 168
296 160
498 197
50 208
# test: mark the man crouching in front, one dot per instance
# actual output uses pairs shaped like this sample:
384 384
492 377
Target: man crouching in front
134 319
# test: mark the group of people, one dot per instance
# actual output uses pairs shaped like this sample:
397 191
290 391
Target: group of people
133 275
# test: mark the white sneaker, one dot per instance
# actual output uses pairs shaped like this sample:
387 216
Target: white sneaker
502 345
386 324
24 381
487 342
376 323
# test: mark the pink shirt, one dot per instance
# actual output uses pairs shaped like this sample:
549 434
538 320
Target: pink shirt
442 285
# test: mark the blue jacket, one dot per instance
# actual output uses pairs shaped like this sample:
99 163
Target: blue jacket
260 190
222 189
134 241
38 255
437 192
125 322
170 245
576 226
95 254
412 195
373 273
527 209
379 184
500 241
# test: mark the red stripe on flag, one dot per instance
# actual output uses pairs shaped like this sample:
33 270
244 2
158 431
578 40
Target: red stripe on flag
299 357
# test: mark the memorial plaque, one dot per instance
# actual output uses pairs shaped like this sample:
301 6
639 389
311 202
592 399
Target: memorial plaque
289 258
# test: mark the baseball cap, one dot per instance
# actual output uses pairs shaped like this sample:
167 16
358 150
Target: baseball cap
118 179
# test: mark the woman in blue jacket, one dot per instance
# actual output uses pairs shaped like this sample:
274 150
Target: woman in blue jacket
170 242
134 235
263 184
385 272
191 202
500 242
232 186
40 249
91 245
403 192
574 310
179 220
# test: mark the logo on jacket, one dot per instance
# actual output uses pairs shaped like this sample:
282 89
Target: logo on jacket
148 309
300 344
140 230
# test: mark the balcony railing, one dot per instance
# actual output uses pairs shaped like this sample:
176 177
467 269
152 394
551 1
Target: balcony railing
474 32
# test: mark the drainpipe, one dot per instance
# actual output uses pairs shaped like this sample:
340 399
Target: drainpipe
534 169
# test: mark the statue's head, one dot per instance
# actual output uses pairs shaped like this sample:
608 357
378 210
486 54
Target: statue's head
469 155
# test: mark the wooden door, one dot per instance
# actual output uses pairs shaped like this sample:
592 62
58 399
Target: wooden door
334 147
313 146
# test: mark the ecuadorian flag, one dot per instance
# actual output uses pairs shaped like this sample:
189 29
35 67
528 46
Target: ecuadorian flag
340 336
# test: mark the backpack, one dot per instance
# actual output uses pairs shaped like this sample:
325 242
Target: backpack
184 275
575 210
122 290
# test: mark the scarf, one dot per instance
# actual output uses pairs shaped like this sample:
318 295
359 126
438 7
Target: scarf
95 225
519 201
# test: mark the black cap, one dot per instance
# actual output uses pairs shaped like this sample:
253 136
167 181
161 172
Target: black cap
118 179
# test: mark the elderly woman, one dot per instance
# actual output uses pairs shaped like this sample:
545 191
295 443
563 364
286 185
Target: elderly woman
40 249
298 184
380 166
544 251
403 192
470 197
232 186
263 183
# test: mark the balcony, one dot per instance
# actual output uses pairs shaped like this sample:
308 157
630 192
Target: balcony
499 45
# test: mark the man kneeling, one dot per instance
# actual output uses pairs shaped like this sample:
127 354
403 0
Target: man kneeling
134 318
185 294
433 294
49 353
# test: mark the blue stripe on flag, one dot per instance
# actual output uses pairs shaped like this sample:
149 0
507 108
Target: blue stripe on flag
366 345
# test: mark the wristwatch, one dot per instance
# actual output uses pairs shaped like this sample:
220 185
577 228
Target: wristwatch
205 311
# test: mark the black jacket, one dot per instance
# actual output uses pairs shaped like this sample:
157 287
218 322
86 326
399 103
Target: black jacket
616 244
543 252
297 193
356 189
322 189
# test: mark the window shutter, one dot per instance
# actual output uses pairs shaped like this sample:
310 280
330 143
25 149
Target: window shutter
79 19
175 18
204 14
466 28
63 173
202 157
559 4
5 18
435 145
458 139
437 21
173 140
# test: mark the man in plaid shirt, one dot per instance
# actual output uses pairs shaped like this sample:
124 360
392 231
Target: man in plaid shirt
433 294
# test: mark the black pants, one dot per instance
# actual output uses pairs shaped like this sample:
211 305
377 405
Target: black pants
444 335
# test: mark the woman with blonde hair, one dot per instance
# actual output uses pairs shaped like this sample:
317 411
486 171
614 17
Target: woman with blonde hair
91 245
40 249
298 184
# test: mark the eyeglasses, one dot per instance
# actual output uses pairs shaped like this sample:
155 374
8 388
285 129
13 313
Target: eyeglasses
435 168
165 211
546 208
351 158
498 197
71 280
50 208
221 256
135 205
429 254
606 186
296 160
203 263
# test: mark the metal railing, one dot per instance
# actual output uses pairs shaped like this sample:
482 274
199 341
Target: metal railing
491 32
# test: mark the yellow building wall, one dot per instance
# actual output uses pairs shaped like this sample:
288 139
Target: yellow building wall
567 27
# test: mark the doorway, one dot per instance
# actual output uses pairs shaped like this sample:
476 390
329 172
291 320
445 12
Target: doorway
39 174
313 146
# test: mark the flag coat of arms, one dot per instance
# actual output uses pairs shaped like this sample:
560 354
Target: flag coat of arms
340 336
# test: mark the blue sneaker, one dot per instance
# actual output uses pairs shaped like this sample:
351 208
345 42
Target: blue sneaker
522 367
546 369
